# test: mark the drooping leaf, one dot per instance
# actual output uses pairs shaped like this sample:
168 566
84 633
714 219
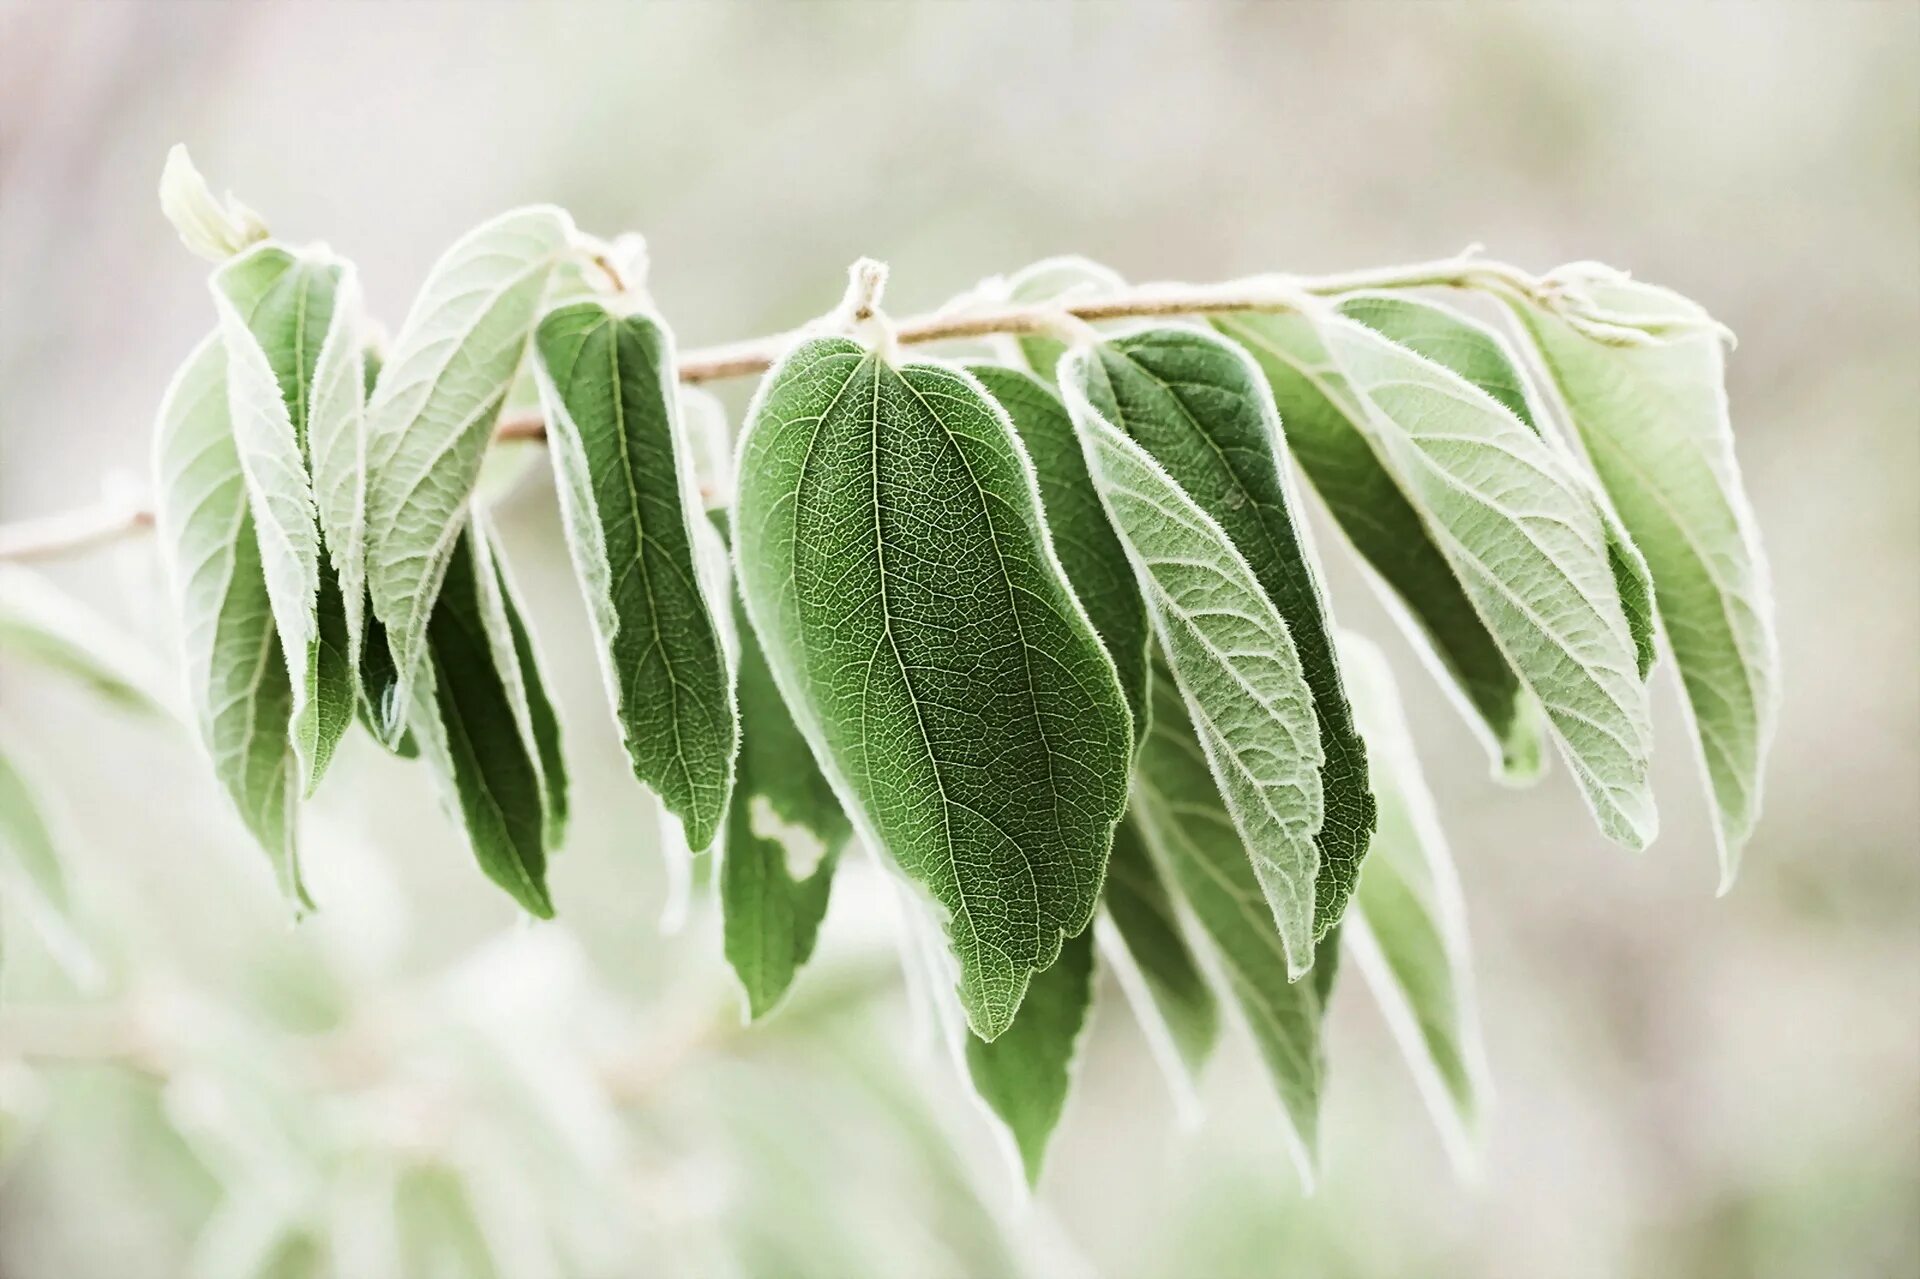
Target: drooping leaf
632 512
335 427
45 625
1198 405
896 570
1526 539
1178 1002
1409 935
1025 1074
542 722
1233 662
433 410
1059 279
785 831
379 689
1095 562
237 682
470 727
1325 432
1479 355
1197 843
1653 421
33 874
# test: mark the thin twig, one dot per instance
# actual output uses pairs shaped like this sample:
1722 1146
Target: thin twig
87 528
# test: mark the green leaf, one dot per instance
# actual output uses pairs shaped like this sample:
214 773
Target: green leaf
1095 562
1234 664
1054 280
1173 1002
1524 536
1326 434
45 625
276 309
785 831
237 682
33 876
336 444
1197 843
433 411
379 689
1653 421
1198 405
470 723
1409 936
627 493
1025 1074
542 723
1479 355
897 572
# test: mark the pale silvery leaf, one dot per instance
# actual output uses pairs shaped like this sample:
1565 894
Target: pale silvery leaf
1062 279
898 574
33 877
533 707
336 444
214 229
1653 421
1175 1000
433 410
785 831
1095 562
1198 845
237 682
1024 1075
1325 433
469 719
1409 936
710 444
1480 355
1198 405
275 310
633 519
1527 540
45 625
1234 664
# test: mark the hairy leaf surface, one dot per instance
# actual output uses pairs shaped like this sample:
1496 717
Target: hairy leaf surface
1409 935
785 832
433 410
535 707
1325 432
1060 279
470 722
897 572
1527 540
1095 562
628 495
1197 404
1234 664
276 308
237 682
1198 843
1025 1074
1653 421
1179 1003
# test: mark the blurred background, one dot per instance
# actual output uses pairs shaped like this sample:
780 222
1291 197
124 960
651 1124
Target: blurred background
1684 1085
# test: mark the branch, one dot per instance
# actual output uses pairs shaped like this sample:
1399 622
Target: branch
84 529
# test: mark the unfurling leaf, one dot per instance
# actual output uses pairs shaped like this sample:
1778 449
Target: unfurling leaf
277 310
1095 562
33 876
1234 664
470 720
47 626
1653 421
896 570
785 831
1409 935
237 682
624 472
1198 405
433 411
1326 432
1175 1001
1025 1074
1198 845
1526 538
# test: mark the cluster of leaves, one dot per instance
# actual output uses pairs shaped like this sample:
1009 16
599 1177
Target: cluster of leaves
1046 633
